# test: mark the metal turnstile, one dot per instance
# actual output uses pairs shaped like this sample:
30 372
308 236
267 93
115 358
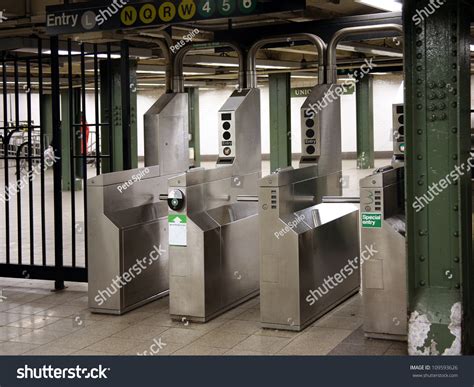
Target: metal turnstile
122 229
213 229
321 141
302 240
302 244
127 225
384 276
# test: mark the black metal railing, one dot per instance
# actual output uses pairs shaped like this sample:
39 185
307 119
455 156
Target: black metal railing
46 99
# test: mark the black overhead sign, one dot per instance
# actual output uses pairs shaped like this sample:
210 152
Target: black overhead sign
105 15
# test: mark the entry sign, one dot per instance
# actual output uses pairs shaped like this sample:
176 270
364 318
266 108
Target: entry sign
122 14
177 226
371 220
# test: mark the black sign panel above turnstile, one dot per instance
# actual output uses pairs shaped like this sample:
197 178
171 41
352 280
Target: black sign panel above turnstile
123 14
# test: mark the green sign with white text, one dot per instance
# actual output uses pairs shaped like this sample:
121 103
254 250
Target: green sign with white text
371 220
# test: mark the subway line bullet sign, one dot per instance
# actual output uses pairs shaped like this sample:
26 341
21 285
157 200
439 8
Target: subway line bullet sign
120 14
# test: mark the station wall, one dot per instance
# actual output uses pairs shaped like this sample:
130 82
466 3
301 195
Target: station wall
388 89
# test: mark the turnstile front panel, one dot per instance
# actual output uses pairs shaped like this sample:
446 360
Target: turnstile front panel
384 276
152 276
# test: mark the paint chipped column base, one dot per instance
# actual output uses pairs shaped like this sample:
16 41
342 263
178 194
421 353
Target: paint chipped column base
433 332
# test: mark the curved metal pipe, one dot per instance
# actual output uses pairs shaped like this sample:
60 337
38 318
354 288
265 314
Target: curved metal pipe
165 49
331 75
252 56
178 82
164 42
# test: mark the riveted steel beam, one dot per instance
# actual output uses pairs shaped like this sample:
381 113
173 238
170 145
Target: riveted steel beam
438 183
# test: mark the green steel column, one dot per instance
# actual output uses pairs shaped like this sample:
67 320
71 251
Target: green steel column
46 119
365 123
194 128
280 121
111 97
66 140
439 229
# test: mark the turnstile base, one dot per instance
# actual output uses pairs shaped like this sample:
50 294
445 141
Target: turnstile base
119 312
206 319
385 336
299 328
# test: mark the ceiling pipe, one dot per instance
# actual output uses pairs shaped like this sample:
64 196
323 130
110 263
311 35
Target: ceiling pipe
164 42
331 75
28 8
178 84
252 56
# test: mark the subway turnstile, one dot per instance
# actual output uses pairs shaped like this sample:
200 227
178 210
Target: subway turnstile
213 226
128 215
384 276
302 244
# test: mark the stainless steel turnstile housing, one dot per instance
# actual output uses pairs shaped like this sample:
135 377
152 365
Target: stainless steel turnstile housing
302 243
325 236
216 266
384 276
321 142
124 227
129 225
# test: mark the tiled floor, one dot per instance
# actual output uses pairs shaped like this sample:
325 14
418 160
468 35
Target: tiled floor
36 321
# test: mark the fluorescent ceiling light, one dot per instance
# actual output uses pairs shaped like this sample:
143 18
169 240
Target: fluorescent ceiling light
150 84
276 67
62 52
191 73
22 83
304 76
66 52
218 64
104 56
151 72
385 5
472 47
161 72
369 49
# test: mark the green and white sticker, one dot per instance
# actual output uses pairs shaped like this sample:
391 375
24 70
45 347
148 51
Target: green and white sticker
177 230
371 220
